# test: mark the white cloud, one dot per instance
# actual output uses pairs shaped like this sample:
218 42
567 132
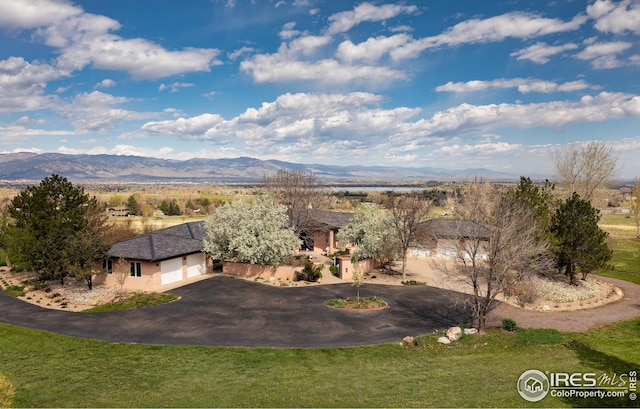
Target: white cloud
105 83
616 18
128 150
20 14
288 31
523 85
22 85
554 114
95 112
604 55
85 39
493 29
371 50
344 21
174 87
292 62
541 53
240 52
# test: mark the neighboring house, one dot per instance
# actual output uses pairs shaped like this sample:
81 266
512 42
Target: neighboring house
446 237
155 260
118 212
324 227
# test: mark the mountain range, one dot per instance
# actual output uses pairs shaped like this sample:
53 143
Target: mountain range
28 167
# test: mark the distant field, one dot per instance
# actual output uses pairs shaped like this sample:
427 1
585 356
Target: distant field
625 246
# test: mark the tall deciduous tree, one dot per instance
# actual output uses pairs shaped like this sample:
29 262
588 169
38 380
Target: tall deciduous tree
369 231
580 241
584 168
499 245
50 219
250 232
406 213
301 192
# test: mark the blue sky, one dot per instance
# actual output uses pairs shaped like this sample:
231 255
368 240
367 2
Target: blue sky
454 84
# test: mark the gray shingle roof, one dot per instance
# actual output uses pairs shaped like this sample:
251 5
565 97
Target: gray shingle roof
162 244
332 220
454 229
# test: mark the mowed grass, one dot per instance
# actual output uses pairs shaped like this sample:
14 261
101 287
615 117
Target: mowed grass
625 263
50 370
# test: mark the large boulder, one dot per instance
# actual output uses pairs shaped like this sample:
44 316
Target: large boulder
454 333
444 340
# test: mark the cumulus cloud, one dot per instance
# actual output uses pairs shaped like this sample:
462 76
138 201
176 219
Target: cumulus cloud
296 124
617 18
604 55
294 62
174 87
510 25
344 21
105 83
541 53
86 39
22 85
98 112
523 85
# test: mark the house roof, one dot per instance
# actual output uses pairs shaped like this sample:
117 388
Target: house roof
454 229
332 220
162 244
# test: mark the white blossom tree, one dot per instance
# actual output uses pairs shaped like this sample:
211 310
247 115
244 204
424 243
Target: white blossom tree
369 232
250 232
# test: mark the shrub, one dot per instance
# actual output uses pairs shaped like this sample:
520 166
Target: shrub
311 272
509 324
413 282
7 391
527 293
333 270
15 290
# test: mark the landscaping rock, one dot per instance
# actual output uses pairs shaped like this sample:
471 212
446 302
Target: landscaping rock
444 340
454 333
470 331
409 340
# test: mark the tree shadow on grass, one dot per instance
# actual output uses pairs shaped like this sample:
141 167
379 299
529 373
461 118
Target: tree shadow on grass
604 364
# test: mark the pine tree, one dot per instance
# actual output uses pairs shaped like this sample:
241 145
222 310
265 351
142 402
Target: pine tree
580 243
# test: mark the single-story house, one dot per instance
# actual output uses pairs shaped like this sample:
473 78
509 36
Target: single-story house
446 237
118 211
159 259
323 229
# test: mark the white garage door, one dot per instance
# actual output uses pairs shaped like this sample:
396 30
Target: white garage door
195 265
171 271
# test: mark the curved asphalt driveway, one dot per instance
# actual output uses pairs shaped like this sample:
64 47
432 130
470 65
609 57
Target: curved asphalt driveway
224 311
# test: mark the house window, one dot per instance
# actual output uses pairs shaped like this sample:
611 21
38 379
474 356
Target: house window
136 269
107 266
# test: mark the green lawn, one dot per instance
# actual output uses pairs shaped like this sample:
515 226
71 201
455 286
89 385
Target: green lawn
50 370
626 248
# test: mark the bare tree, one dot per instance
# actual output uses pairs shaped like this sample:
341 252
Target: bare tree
302 192
407 212
498 245
121 271
583 168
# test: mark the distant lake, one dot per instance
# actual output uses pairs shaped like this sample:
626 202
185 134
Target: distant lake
377 188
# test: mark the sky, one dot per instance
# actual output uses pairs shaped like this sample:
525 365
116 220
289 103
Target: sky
501 85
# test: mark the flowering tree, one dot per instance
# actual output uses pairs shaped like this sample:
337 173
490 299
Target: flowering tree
250 232
369 232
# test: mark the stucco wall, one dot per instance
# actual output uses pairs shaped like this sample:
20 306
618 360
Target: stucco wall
346 267
255 270
151 279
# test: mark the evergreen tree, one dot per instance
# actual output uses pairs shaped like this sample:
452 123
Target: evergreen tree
47 218
580 243
133 206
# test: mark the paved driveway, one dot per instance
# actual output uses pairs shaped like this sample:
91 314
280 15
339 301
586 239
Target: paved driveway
224 311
